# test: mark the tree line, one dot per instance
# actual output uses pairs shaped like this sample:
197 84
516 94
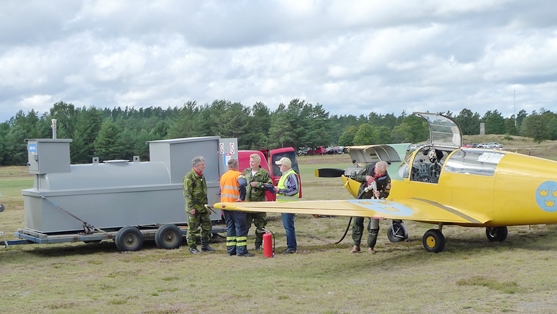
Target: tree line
116 133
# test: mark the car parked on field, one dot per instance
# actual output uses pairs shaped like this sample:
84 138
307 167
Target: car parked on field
302 151
319 150
491 145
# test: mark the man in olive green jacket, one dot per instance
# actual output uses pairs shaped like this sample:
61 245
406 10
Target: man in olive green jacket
256 177
195 193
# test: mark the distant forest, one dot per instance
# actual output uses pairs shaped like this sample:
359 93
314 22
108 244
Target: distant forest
122 133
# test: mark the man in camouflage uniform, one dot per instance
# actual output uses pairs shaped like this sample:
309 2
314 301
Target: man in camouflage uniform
255 192
377 173
195 193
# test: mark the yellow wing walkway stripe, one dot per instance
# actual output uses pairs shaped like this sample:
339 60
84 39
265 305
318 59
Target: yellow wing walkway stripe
452 211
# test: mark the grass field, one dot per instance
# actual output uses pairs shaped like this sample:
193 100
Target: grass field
472 275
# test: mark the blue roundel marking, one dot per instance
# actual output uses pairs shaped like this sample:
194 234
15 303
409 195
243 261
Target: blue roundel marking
546 196
380 207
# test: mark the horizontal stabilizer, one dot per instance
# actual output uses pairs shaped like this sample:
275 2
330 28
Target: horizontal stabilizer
329 172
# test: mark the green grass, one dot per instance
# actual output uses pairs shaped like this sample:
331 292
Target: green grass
492 283
472 275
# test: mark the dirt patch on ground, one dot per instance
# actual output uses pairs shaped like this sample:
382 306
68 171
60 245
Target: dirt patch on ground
519 144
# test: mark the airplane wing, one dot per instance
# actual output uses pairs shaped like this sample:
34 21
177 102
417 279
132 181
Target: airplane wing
408 209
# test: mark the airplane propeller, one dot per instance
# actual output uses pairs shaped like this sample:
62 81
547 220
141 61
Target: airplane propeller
329 172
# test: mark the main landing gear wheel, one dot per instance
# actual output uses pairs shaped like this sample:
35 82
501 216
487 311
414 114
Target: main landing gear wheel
168 237
129 239
433 241
498 234
397 232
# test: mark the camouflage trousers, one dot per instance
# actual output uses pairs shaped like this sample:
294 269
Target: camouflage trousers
358 230
194 222
260 222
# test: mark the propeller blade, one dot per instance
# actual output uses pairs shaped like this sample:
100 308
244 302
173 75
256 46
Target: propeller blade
329 172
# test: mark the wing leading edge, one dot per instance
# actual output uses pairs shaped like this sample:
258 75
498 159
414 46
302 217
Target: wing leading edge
409 209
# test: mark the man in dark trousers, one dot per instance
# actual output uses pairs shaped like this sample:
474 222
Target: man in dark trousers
233 189
373 175
287 190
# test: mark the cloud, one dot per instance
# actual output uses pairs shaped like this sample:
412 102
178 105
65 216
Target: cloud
351 57
38 103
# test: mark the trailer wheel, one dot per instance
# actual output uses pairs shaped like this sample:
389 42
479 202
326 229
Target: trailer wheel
129 239
168 237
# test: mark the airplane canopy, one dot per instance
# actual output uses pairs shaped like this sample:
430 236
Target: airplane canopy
373 153
443 131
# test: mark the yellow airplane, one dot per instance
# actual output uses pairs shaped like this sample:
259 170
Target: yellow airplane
444 183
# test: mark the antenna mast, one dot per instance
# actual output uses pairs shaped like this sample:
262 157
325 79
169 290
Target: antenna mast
514 106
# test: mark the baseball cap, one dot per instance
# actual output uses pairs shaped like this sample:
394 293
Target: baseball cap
284 161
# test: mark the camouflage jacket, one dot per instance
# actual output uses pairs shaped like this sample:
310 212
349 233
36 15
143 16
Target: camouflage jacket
383 182
255 194
195 191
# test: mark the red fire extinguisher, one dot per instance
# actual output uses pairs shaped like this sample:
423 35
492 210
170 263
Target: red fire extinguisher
268 244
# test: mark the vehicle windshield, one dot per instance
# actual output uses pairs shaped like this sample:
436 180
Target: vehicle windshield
278 156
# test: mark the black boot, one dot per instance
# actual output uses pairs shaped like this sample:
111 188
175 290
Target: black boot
207 248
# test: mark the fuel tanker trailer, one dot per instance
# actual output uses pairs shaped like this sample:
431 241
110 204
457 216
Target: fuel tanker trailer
120 200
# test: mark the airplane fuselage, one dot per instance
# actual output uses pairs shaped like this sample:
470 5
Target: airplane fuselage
508 188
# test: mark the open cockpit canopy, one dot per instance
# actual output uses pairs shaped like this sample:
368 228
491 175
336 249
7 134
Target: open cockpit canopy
443 131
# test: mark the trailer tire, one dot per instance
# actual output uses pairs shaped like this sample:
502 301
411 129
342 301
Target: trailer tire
168 237
129 239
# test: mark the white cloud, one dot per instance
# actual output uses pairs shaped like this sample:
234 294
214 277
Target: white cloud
351 57
39 103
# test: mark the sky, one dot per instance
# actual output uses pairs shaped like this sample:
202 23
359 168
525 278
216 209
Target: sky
351 57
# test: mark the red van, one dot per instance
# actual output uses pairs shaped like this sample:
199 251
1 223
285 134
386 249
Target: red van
319 150
268 163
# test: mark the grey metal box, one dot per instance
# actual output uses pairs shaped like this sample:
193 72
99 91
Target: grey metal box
48 155
177 155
